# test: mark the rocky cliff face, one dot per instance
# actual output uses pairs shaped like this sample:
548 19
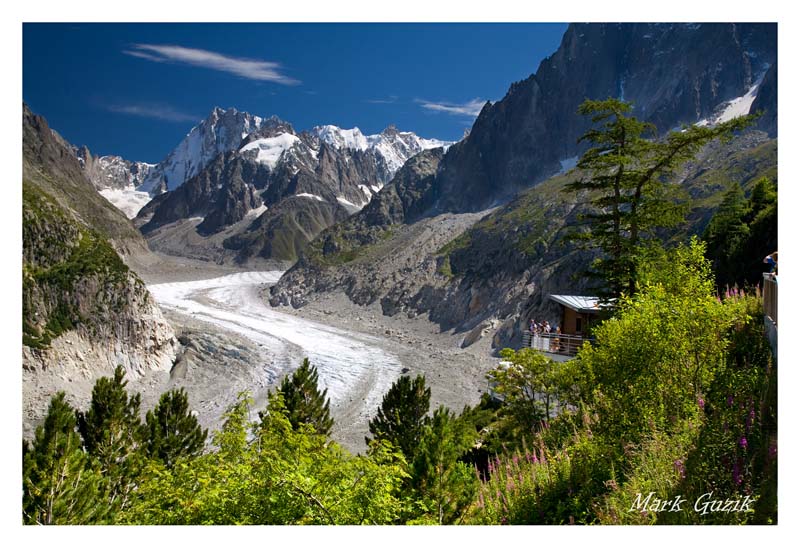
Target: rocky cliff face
672 73
112 172
84 311
484 274
50 162
506 264
766 102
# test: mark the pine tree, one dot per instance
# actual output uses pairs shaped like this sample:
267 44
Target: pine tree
742 232
727 232
112 432
302 400
627 170
171 430
438 476
402 415
58 484
764 194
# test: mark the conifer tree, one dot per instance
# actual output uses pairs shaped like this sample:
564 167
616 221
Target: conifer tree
726 233
58 484
438 476
303 401
112 432
402 415
626 172
171 431
742 232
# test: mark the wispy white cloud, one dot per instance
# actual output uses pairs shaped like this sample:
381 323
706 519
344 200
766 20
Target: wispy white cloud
252 69
470 108
157 111
386 101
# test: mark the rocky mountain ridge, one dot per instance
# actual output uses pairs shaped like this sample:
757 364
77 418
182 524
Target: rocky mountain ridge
84 311
506 264
293 185
112 171
494 268
672 73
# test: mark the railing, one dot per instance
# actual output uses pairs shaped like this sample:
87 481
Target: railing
554 343
771 297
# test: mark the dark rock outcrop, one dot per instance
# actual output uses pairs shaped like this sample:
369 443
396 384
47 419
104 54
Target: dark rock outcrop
222 194
766 102
672 73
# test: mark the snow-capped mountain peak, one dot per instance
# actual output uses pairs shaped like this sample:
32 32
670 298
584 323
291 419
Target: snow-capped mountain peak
271 142
222 131
268 150
341 138
394 146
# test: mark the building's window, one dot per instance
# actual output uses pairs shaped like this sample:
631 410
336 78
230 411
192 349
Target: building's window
578 325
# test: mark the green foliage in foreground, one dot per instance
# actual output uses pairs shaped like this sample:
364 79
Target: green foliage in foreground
59 486
172 431
444 485
677 398
272 473
627 170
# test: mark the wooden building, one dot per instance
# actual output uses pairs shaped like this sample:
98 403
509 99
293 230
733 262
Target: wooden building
578 313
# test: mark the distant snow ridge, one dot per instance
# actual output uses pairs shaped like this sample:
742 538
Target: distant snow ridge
269 141
396 147
128 200
116 179
224 130
342 138
117 169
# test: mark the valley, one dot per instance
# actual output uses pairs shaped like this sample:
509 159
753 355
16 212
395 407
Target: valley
358 352
636 162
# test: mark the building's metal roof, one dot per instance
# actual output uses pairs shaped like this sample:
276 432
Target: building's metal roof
580 303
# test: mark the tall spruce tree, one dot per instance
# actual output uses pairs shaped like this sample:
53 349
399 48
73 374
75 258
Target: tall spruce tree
171 431
626 173
742 232
112 433
439 477
402 415
303 401
58 483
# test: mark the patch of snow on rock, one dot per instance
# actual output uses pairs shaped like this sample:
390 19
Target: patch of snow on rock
312 196
270 149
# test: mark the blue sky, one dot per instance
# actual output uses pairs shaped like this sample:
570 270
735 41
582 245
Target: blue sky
137 89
